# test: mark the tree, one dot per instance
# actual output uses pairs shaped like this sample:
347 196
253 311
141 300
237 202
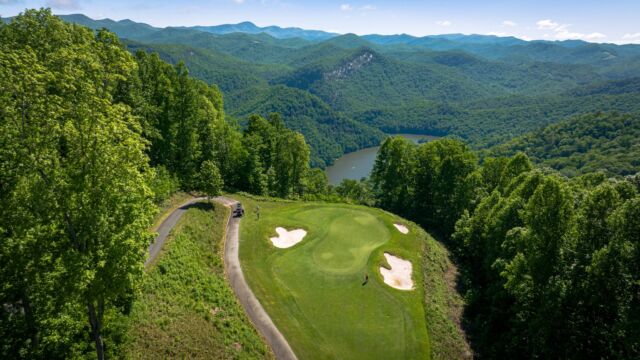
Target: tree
316 183
82 156
445 183
210 180
392 174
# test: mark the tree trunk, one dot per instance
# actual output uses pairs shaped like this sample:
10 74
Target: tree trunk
95 319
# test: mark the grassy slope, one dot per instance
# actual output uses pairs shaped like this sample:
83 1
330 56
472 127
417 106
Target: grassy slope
187 309
443 304
336 316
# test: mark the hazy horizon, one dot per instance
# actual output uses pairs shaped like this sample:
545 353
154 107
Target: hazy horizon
587 20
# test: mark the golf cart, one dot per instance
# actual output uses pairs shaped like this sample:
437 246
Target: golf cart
238 211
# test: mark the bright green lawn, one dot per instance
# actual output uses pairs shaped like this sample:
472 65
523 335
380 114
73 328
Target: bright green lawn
313 291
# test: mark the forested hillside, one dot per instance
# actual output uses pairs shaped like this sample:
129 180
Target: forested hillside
96 133
91 139
549 266
483 89
608 142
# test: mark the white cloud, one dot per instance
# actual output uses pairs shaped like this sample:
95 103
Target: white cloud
498 33
444 23
595 36
568 35
562 32
509 23
368 7
346 7
238 1
547 25
9 2
630 39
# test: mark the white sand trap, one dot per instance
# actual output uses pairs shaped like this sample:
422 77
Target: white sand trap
399 277
287 239
403 229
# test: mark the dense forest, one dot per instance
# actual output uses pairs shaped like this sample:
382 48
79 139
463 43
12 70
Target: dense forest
91 139
95 132
550 267
342 92
584 144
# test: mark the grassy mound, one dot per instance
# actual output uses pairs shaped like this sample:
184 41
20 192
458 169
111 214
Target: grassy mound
187 309
314 291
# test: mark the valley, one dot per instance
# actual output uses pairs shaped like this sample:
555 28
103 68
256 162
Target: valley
238 191
358 164
483 89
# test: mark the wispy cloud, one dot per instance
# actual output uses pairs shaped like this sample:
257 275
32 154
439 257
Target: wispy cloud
346 7
240 2
444 23
9 2
547 24
369 7
509 23
562 32
631 38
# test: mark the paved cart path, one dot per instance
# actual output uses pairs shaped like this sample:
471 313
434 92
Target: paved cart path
252 306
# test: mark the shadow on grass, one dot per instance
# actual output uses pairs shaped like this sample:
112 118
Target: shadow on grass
201 205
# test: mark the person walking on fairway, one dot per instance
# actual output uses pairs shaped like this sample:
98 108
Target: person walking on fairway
366 279
258 212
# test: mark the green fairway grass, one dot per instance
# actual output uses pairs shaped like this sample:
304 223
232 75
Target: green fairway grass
313 291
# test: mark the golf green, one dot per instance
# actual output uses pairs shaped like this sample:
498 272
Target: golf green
314 290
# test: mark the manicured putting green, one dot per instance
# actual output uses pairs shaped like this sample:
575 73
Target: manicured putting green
313 291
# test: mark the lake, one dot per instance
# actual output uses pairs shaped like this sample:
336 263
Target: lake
358 164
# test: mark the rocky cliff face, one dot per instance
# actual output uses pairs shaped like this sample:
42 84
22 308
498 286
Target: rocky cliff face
350 67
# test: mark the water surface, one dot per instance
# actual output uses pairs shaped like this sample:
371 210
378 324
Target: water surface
359 164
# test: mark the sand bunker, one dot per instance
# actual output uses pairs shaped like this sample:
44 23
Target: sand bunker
399 277
287 239
403 229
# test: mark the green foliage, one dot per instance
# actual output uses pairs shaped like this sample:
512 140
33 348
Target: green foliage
163 184
209 179
583 144
433 182
182 117
186 307
543 260
393 173
329 133
546 262
75 200
354 191
342 91
278 158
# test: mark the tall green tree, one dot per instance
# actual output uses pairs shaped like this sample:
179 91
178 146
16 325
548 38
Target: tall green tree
392 174
83 156
210 181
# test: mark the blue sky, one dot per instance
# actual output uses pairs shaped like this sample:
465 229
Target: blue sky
599 21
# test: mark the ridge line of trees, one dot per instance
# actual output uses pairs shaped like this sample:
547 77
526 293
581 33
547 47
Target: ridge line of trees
91 139
550 266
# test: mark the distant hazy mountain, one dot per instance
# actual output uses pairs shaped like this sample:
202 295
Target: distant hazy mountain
123 28
340 91
275 31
